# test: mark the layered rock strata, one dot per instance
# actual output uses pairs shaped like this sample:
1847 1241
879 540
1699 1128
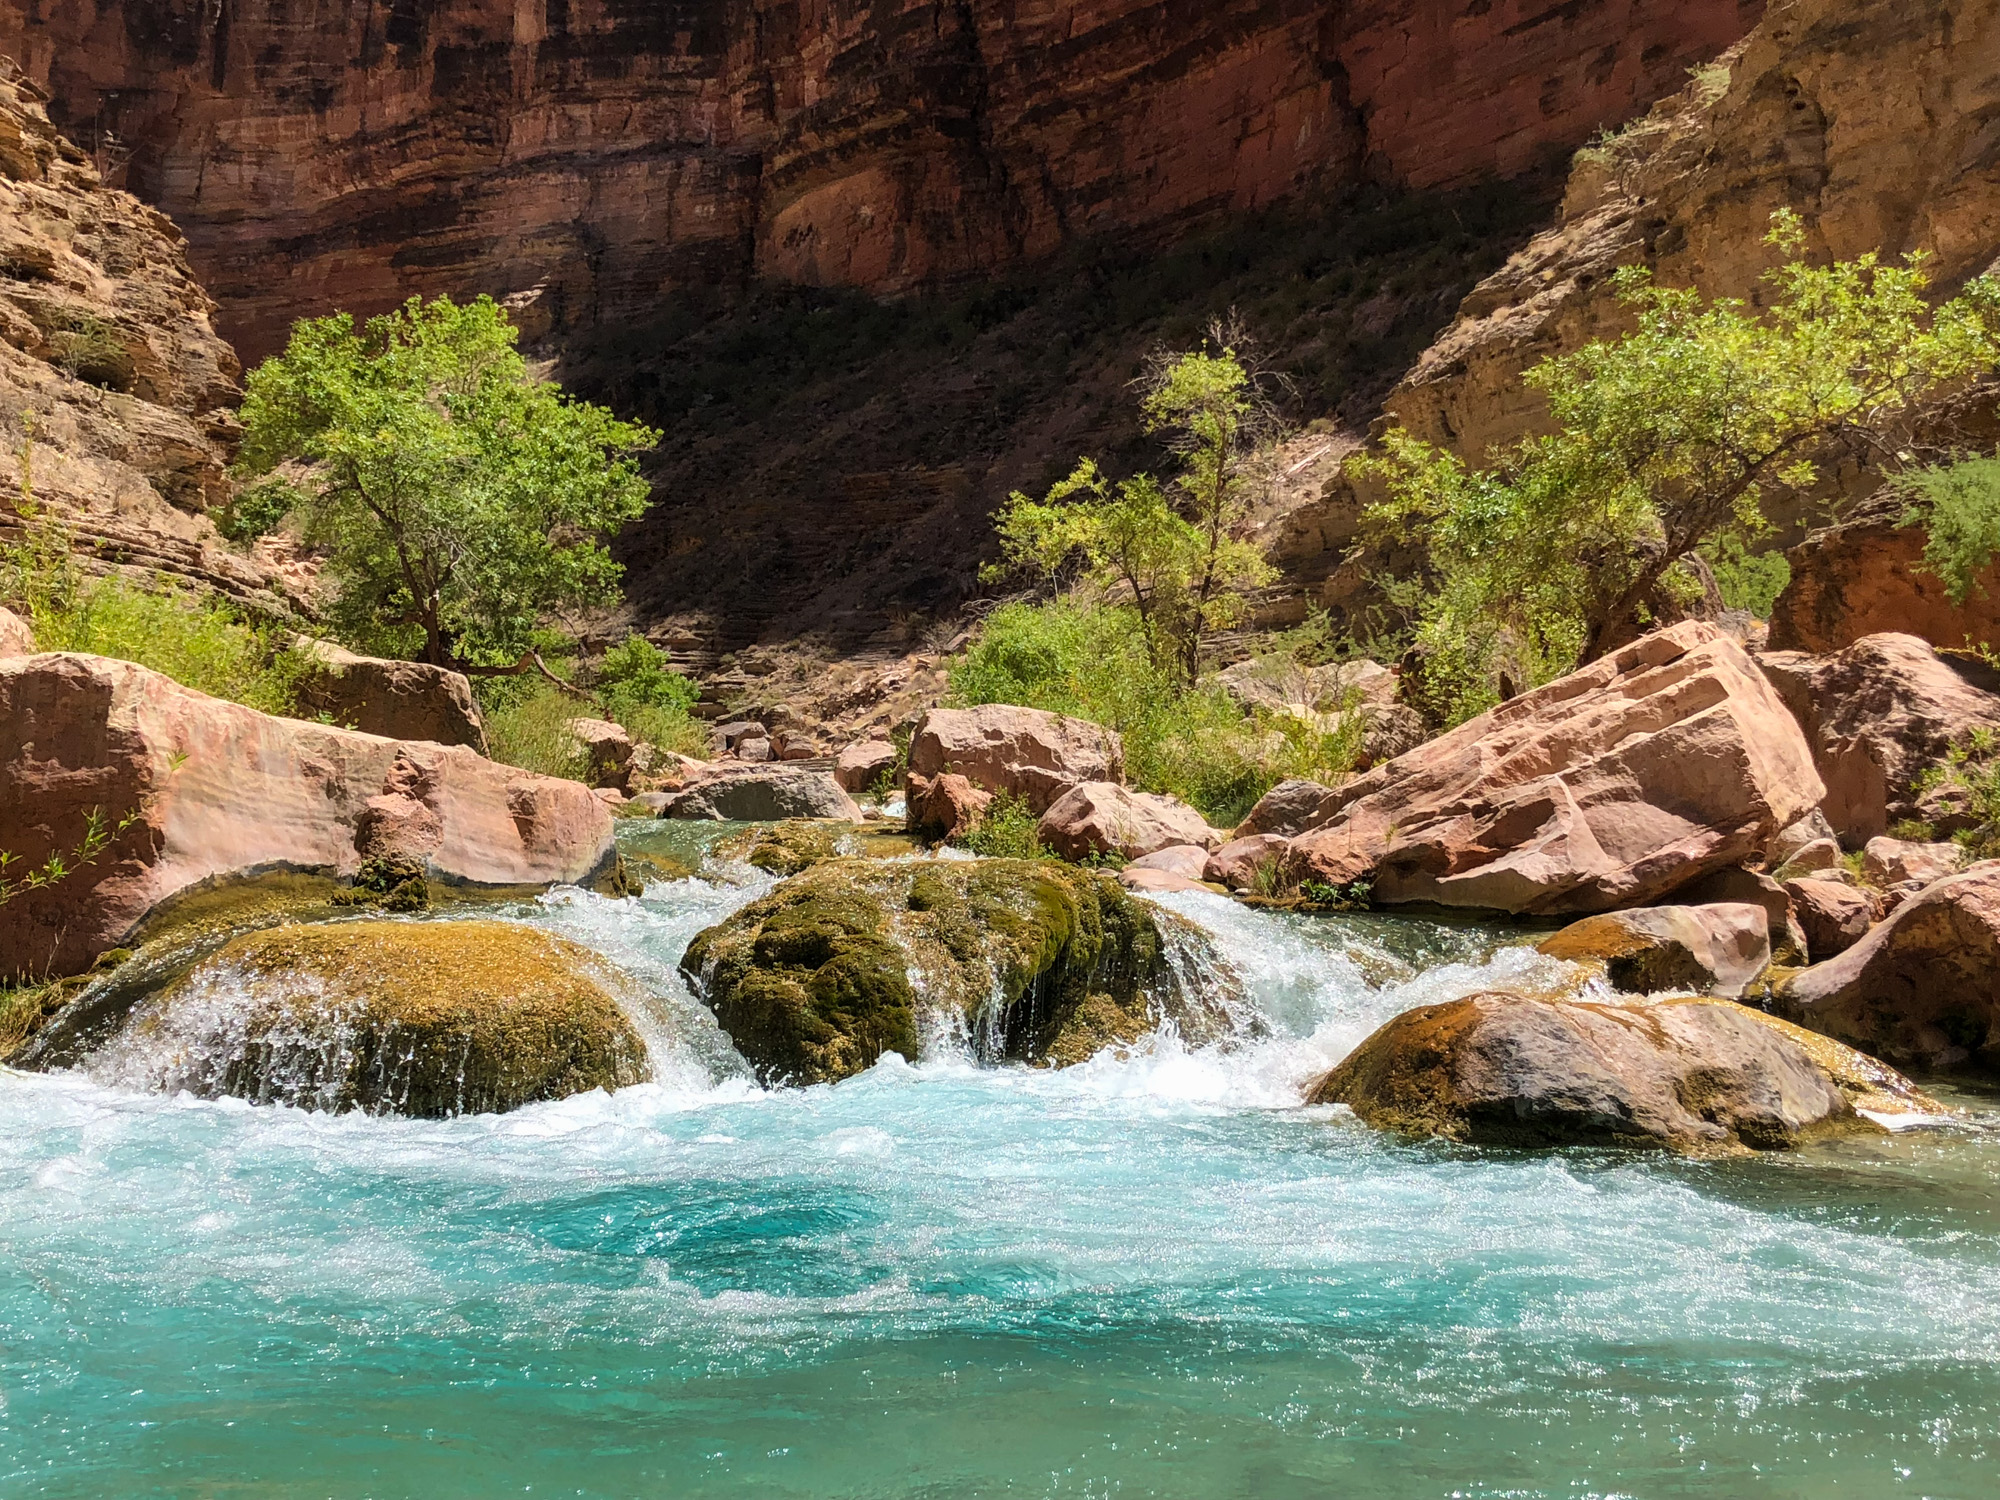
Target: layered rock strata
117 398
590 156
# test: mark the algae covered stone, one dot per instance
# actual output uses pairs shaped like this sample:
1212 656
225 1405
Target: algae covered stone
1023 959
412 1018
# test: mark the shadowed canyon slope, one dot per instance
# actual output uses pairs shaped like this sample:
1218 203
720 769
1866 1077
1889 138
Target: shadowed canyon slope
611 152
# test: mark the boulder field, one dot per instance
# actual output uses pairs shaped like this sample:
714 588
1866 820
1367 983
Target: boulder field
191 791
409 1018
1702 1077
817 980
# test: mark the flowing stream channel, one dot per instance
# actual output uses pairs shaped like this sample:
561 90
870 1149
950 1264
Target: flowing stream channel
1150 1275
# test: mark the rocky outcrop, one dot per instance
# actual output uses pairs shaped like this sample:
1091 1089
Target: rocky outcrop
1238 863
1877 715
1026 753
1703 950
405 700
1702 1077
1865 576
605 750
584 157
1921 989
1833 915
1736 884
1288 809
118 396
1610 787
946 805
763 796
861 765
190 791
855 958
1870 118
17 637
1101 817
406 1018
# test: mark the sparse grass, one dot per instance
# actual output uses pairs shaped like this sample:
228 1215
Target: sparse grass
526 721
1006 831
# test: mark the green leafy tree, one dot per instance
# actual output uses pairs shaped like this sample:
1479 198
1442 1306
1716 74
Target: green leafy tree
1173 551
1666 439
1959 505
461 501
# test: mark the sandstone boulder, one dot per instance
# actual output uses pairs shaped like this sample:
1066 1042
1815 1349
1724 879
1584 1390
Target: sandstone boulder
947 805
731 735
606 750
1616 785
1188 861
1025 959
1833 915
1102 817
1157 881
763 796
1237 863
1788 938
17 638
1821 857
404 700
205 790
1706 950
1878 714
1024 752
407 1018
1923 988
1810 829
1696 1076
1288 809
1888 861
1865 577
863 763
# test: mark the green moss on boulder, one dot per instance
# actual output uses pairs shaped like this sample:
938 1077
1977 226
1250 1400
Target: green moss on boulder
852 957
413 1018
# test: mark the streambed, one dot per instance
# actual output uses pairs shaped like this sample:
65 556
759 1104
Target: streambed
1154 1275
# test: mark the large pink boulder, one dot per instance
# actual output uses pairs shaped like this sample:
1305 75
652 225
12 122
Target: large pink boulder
860 765
1833 915
405 700
1877 714
1923 987
214 790
1610 787
1101 817
1025 752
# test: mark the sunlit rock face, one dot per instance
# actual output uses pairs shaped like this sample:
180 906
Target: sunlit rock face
605 152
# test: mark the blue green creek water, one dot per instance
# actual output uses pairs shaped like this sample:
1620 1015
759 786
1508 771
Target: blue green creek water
1154 1275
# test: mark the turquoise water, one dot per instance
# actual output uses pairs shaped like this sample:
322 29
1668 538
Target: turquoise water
1155 1276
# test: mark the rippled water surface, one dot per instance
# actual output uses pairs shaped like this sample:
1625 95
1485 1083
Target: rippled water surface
1150 1276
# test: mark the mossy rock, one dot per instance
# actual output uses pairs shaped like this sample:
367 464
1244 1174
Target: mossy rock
1030 960
413 1018
785 848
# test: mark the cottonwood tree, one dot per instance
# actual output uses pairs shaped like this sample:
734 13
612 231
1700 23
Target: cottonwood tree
1666 439
1174 550
459 499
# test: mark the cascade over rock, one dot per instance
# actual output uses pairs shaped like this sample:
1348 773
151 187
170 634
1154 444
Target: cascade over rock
408 1018
198 790
1610 787
586 157
854 958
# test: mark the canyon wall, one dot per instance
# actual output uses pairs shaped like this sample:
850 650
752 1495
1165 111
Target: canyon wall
591 156
117 399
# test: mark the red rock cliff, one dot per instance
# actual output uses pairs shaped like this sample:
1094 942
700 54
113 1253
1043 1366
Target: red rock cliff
608 151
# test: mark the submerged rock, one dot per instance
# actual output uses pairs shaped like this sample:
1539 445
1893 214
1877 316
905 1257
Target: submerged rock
1720 949
1025 959
1697 1076
1923 988
784 848
410 1018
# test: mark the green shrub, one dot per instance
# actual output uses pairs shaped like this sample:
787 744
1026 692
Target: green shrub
1007 830
197 640
525 725
1091 661
256 509
637 688
1748 580
1959 505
